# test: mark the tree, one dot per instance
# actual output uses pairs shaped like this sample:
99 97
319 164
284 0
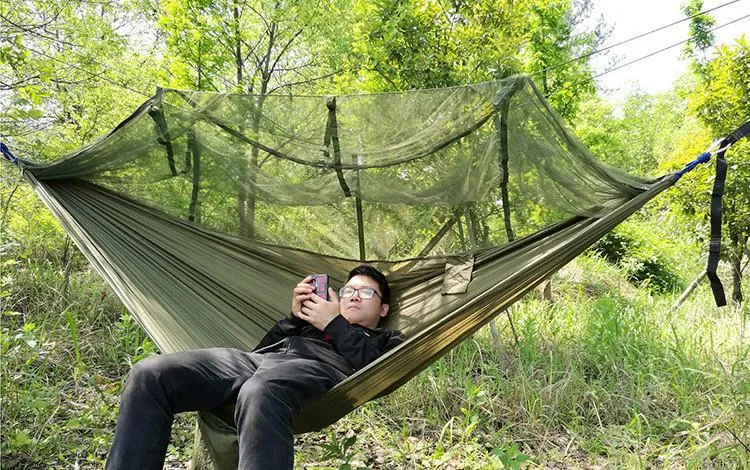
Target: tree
701 36
416 44
256 47
555 46
63 79
721 102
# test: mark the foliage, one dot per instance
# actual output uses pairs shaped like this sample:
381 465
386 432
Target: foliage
701 36
510 456
336 450
639 136
416 44
65 340
554 47
641 255
607 376
722 101
250 47
62 65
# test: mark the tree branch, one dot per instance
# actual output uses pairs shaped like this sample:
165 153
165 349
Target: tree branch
260 15
10 86
284 49
42 25
302 82
33 30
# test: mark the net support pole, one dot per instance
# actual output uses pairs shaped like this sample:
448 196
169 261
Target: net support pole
195 148
360 230
157 114
501 129
331 140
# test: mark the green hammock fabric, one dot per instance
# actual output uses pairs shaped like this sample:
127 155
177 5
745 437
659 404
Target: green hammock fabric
202 211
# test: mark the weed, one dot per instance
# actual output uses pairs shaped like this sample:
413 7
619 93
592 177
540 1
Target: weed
510 456
342 451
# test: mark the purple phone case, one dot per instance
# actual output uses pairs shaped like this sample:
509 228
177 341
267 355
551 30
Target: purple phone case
320 283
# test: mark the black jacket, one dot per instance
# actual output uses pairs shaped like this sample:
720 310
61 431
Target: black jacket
355 344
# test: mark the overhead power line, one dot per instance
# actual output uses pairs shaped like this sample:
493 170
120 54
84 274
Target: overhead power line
101 76
639 36
657 52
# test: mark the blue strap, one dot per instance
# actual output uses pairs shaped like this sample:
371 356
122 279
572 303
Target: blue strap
702 158
7 153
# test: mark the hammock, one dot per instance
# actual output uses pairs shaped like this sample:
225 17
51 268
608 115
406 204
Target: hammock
203 210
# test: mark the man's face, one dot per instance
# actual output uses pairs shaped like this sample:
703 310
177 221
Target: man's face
365 312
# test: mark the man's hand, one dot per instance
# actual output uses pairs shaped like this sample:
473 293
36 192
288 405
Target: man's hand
314 309
301 293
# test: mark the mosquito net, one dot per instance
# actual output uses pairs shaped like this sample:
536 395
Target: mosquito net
379 177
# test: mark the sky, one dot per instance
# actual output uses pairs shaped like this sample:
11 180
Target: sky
629 18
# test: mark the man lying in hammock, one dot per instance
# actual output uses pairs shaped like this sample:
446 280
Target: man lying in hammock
297 361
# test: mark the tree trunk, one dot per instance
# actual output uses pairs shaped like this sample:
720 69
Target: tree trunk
495 335
474 228
247 216
461 236
238 62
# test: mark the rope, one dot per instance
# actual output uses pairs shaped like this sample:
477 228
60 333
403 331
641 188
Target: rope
714 246
8 154
702 158
706 156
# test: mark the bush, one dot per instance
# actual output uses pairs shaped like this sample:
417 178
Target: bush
613 247
643 257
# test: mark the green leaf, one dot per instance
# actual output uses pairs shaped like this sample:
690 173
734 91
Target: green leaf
20 438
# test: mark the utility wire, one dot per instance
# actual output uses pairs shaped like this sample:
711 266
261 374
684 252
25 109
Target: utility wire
625 41
656 52
122 85
573 85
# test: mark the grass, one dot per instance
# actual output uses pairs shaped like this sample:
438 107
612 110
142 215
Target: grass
591 381
607 376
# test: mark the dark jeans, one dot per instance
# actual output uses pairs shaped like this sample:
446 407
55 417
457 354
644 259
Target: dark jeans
269 389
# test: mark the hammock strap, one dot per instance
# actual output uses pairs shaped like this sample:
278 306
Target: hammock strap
714 247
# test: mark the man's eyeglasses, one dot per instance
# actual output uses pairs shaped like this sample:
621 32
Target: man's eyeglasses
365 293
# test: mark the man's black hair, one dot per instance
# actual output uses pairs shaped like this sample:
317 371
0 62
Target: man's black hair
369 271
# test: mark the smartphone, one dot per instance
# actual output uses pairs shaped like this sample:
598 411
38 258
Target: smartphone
320 283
